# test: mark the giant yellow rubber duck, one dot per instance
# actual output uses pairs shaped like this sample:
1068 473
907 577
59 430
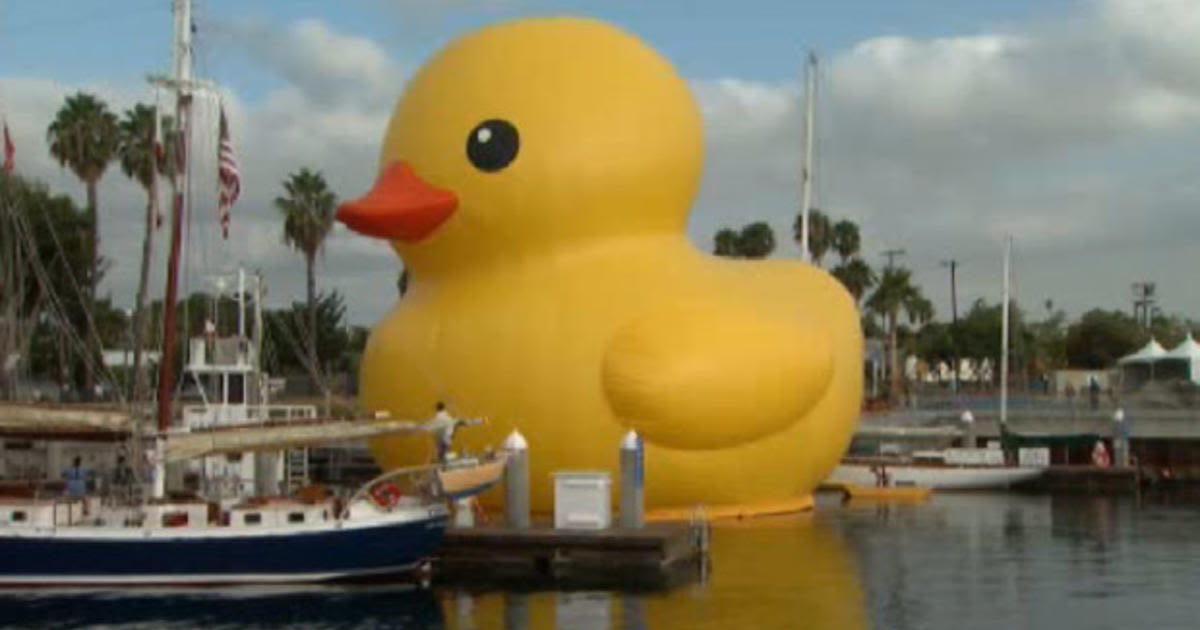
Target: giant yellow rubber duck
536 179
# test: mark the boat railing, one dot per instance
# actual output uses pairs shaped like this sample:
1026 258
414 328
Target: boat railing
468 474
200 417
418 480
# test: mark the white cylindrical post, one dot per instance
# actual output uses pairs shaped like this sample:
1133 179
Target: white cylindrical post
1120 438
516 481
968 421
159 490
632 481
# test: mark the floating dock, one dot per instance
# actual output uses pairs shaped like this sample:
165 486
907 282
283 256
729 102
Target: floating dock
655 556
1090 479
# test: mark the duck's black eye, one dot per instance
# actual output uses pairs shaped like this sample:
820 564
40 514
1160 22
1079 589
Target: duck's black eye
492 145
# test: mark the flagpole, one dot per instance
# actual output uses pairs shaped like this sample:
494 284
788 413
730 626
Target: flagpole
806 171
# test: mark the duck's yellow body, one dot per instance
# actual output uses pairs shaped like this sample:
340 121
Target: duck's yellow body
553 289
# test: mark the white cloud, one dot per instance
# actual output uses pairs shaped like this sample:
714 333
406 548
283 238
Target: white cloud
324 66
1076 136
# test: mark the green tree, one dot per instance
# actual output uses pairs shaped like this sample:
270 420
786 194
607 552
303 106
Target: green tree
141 162
307 209
1048 343
286 329
934 343
857 276
756 240
894 294
845 240
84 137
1101 337
1170 330
819 234
726 243
54 255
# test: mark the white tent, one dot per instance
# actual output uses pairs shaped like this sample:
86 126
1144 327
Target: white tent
1183 361
1138 368
1148 354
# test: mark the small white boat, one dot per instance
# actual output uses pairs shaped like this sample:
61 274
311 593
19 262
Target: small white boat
934 476
951 469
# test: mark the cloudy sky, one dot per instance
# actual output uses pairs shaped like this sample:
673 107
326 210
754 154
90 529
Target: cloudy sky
1073 125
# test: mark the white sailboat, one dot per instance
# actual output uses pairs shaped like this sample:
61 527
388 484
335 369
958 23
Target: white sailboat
229 533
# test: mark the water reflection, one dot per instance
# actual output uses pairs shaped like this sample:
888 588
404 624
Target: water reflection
393 606
959 561
768 573
1005 561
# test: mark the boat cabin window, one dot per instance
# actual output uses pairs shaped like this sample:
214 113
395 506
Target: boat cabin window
296 517
252 518
19 516
237 389
175 519
233 458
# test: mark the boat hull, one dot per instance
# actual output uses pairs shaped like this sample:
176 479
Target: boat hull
320 554
890 493
937 477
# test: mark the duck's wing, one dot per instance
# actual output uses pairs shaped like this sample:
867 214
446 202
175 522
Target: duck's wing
712 375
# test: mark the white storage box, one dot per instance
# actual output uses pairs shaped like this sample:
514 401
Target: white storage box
582 500
1034 456
974 457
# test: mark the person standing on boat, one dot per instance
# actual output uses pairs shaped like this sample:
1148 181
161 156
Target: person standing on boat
442 426
77 478
122 479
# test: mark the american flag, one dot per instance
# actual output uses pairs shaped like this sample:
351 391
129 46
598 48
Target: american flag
9 151
229 180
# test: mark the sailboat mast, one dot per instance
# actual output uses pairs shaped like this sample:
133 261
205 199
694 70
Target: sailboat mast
810 115
182 79
1004 333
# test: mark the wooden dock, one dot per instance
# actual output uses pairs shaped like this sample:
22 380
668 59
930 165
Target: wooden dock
1088 479
655 556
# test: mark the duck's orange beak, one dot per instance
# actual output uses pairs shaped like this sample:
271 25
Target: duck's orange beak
401 206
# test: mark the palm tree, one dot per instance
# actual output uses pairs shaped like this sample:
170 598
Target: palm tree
818 234
756 240
857 276
895 293
725 243
84 137
845 239
140 160
307 218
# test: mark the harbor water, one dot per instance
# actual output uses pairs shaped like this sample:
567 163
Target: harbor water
957 561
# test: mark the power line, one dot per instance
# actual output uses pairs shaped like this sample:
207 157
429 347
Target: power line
891 255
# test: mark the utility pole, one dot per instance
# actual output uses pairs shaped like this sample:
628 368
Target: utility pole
1143 302
953 265
891 255
806 171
